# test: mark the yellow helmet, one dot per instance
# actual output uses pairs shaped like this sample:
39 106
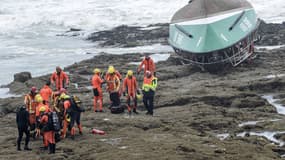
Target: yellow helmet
139 97
42 109
111 69
38 98
97 70
130 73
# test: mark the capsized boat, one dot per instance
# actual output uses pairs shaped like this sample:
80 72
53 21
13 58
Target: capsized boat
211 32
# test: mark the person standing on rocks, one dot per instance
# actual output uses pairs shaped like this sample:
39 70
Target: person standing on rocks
130 86
22 119
31 104
148 88
148 65
46 92
97 90
113 86
59 79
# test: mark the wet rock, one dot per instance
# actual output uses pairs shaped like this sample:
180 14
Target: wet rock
22 77
185 149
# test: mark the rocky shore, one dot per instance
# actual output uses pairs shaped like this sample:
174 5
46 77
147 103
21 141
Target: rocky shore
198 115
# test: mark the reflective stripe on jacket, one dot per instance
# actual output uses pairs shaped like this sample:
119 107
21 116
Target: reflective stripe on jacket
149 84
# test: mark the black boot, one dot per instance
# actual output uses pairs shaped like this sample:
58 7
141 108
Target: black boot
27 148
53 149
19 147
135 111
50 146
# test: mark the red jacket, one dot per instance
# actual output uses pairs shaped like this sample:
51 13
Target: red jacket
131 85
149 65
59 79
97 82
46 93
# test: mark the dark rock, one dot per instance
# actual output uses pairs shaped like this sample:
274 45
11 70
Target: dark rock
22 77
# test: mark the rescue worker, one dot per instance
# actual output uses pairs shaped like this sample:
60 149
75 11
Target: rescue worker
31 105
46 92
59 79
47 131
113 86
97 90
41 104
72 115
148 65
22 119
148 88
130 86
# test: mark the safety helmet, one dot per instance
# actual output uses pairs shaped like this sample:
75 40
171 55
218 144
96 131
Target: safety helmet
111 69
148 73
97 70
139 97
42 109
130 73
33 89
38 98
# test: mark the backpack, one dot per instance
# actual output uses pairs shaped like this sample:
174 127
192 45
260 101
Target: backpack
76 104
117 109
53 122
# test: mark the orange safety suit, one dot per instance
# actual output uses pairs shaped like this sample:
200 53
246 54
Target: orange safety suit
96 83
31 107
117 73
130 84
113 83
46 93
149 65
59 79
48 135
66 105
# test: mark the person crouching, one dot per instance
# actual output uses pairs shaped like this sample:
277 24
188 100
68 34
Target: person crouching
47 130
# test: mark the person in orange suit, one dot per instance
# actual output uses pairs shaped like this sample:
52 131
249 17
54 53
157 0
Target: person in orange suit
59 79
130 85
148 65
46 92
113 86
31 105
72 115
97 90
41 103
48 133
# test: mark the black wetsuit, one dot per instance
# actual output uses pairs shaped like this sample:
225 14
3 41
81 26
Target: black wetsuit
22 120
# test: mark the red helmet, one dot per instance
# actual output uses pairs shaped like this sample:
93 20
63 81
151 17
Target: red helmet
33 89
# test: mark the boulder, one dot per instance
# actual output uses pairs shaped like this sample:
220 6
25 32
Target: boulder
22 77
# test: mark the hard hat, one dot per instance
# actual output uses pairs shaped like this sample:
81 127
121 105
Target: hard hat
111 69
38 98
42 109
130 73
139 97
148 73
97 70
33 89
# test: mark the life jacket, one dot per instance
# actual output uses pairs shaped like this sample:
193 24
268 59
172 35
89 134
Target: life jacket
75 104
113 82
30 103
149 84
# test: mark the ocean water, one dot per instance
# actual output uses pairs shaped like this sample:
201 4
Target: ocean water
29 29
